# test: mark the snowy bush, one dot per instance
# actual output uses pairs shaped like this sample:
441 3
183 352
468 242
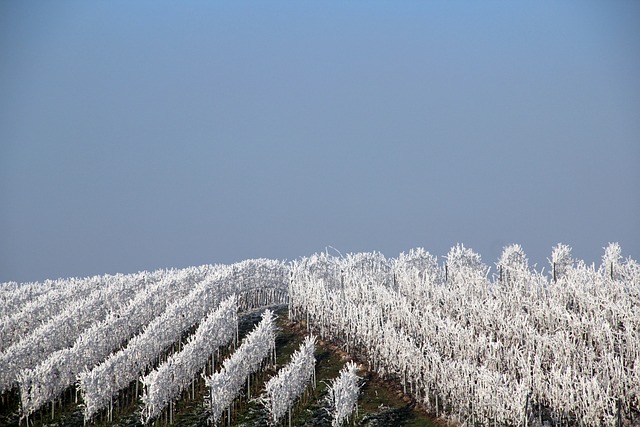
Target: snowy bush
164 384
226 384
343 394
282 390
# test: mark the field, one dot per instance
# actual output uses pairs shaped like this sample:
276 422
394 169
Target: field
264 342
380 402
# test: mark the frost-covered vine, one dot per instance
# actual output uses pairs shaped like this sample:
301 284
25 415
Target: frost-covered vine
523 347
164 384
282 390
226 384
343 394
17 324
47 380
258 281
63 329
512 347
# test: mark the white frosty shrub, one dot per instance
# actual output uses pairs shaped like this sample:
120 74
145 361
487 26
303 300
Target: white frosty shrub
415 272
461 259
32 315
101 384
226 384
343 395
513 263
165 384
611 261
50 378
61 330
283 389
561 261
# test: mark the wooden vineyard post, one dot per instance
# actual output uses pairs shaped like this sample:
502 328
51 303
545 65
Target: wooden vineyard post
526 412
611 270
619 418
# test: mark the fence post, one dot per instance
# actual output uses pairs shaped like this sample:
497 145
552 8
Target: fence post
526 412
611 270
619 420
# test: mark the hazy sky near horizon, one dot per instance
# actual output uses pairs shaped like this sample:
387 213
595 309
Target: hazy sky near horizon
143 135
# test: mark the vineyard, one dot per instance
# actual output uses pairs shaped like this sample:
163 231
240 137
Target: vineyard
329 340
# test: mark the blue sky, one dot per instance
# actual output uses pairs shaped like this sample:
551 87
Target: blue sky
141 135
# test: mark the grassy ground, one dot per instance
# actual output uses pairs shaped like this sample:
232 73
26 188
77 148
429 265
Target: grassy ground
380 403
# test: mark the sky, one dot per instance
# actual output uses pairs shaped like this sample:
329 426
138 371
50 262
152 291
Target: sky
151 134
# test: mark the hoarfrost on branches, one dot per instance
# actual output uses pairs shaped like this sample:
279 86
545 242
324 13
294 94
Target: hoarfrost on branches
282 390
260 282
164 384
513 351
343 394
561 261
226 384
48 379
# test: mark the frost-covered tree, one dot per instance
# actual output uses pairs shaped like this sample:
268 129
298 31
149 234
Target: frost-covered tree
513 258
366 268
